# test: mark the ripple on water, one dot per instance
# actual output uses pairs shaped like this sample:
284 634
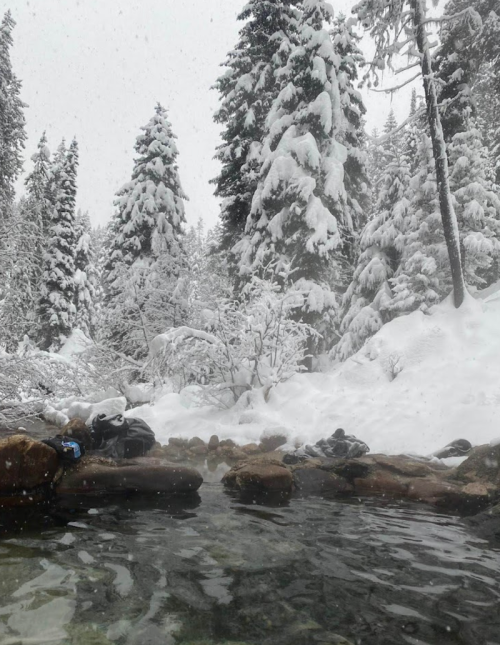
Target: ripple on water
221 571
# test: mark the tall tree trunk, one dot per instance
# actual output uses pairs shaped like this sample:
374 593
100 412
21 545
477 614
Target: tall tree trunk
449 219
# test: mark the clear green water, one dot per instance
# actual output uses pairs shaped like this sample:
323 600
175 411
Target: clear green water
214 570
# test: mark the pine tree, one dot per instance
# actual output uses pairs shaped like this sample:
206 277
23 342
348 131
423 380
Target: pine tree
486 92
469 38
150 208
298 220
56 309
24 249
85 276
413 134
358 194
20 276
375 154
477 207
395 26
423 278
38 206
12 121
248 89
367 300
143 276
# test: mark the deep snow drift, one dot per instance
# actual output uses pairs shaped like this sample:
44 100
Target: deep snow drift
421 382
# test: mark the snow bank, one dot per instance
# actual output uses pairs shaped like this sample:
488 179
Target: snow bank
419 383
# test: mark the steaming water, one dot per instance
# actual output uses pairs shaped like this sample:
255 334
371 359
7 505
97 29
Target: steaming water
214 570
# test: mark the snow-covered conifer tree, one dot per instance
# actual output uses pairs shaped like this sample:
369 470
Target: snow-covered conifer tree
366 301
85 276
150 208
299 219
423 278
469 38
477 207
56 309
248 88
20 272
486 92
12 121
143 280
358 194
401 27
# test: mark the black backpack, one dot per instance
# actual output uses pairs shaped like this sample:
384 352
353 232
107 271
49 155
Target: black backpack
70 451
119 438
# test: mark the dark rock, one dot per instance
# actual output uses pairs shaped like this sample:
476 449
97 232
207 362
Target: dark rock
269 476
269 444
230 454
143 475
200 449
349 469
314 480
482 466
26 464
213 443
251 449
177 441
174 452
487 523
196 441
227 443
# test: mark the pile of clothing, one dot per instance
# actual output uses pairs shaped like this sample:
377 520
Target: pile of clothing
339 445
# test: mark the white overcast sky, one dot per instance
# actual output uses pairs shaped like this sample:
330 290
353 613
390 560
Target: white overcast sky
95 69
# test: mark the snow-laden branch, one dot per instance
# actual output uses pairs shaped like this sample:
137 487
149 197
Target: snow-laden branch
162 340
390 90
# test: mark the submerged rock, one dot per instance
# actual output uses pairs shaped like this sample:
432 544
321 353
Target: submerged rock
143 475
259 476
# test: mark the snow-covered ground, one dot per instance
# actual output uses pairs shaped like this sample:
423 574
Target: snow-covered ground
421 382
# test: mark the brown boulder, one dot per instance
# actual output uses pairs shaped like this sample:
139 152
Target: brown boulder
78 430
227 443
178 442
271 443
402 465
380 482
195 441
26 464
213 442
259 476
483 466
144 475
199 449
251 449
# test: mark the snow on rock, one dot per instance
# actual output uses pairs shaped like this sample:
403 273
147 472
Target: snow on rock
419 383
107 407
58 418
